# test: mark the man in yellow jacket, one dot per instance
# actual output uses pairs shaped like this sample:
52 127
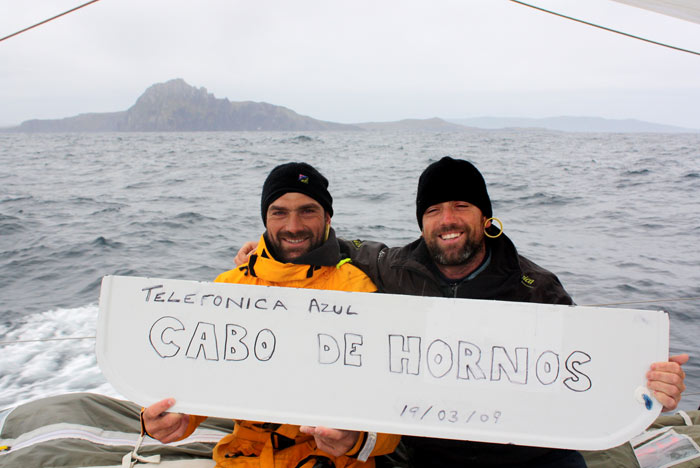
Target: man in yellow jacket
298 249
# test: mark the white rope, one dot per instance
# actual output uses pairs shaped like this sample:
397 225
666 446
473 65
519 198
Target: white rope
41 340
686 418
131 458
607 29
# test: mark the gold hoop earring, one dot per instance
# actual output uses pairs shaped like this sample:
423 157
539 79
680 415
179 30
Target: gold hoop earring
499 233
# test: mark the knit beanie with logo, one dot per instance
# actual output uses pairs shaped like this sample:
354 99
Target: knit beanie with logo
295 177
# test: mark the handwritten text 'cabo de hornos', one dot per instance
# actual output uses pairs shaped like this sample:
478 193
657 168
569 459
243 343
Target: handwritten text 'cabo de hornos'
460 359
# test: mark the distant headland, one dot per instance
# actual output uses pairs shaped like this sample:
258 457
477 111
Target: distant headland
175 106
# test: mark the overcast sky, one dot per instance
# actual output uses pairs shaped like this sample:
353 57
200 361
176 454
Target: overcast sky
353 61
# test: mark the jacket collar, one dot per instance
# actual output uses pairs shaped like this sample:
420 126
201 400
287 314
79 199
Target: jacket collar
327 254
503 259
263 265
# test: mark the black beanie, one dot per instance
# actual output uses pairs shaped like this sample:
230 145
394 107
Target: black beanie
451 180
295 177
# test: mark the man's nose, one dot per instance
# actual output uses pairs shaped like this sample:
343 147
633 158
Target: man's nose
447 216
294 223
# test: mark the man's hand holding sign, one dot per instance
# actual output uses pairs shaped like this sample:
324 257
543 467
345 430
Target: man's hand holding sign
666 380
162 425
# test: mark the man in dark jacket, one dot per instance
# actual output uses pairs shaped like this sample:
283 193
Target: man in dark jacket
461 254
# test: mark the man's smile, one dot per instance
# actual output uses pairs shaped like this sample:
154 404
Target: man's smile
448 236
295 241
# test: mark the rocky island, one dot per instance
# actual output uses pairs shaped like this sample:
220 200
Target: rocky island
175 106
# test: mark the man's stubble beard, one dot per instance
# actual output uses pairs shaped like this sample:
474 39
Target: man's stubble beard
282 255
458 256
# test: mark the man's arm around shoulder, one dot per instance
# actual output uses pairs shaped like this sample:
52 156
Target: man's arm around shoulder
365 255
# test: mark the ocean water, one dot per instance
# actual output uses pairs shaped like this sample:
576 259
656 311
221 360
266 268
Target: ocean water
615 216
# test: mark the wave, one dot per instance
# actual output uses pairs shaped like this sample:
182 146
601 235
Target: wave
16 198
636 172
110 209
104 242
192 217
298 140
91 248
370 197
10 225
140 185
546 199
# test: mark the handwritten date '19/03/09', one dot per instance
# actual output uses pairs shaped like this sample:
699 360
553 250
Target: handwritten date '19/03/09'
430 413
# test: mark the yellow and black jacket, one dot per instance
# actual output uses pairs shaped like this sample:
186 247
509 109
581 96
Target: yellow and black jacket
324 268
256 444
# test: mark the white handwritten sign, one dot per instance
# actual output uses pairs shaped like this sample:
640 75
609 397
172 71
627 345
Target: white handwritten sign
521 373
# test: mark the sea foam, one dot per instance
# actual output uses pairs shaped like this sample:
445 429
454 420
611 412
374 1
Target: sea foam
51 365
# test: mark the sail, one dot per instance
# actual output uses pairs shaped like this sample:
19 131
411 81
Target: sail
688 10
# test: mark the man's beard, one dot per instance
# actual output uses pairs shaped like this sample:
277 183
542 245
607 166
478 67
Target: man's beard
286 254
460 255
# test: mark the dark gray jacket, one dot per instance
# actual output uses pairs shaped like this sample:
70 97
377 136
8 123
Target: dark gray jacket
507 276
409 270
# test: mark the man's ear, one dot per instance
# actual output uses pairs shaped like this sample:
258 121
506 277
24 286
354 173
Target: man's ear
328 227
486 222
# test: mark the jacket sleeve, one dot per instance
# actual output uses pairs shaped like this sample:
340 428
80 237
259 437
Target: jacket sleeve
372 444
544 285
195 421
365 255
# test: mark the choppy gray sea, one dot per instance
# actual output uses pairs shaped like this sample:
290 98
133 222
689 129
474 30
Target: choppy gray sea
616 216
